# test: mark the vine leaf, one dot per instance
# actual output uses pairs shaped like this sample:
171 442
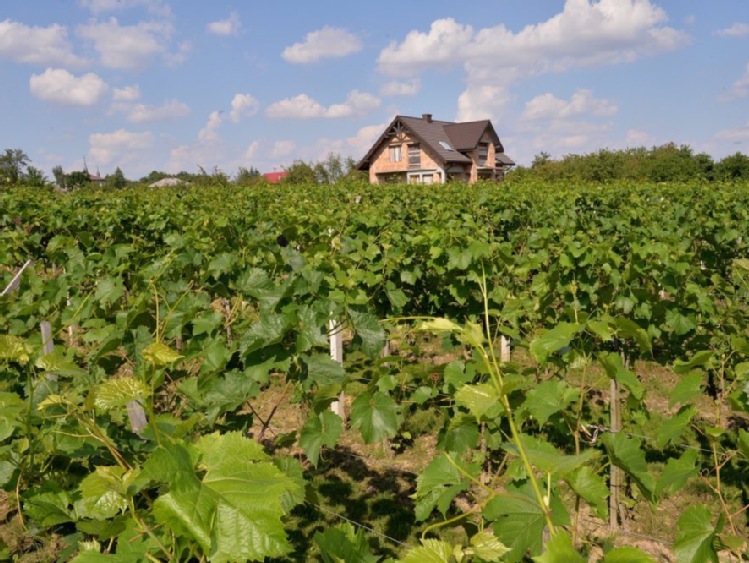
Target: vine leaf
686 390
553 340
323 370
159 354
627 453
696 536
614 366
103 494
479 399
591 487
549 398
343 543
116 393
487 547
546 458
15 349
627 555
430 551
375 415
320 430
677 472
674 427
438 485
559 549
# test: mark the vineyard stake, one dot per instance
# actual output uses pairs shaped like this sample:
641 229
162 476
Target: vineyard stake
336 354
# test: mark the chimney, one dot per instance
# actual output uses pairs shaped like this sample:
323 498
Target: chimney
427 117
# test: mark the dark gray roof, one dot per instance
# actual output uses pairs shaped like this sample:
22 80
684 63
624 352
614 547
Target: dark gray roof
502 158
445 139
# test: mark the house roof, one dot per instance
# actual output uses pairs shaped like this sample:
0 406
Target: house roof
445 139
502 158
274 177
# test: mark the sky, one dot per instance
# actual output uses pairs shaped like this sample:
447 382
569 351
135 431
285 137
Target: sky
177 85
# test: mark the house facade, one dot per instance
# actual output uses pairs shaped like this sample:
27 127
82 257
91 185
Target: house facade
424 150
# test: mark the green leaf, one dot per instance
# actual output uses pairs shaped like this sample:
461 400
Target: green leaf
698 360
627 555
458 373
323 370
369 329
677 472
375 415
519 520
15 349
487 547
686 390
627 453
591 487
548 398
116 393
601 329
56 363
559 550
103 493
430 551
478 399
320 430
160 354
631 330
553 340
438 484
614 366
439 325
743 443
696 537
461 435
673 427
546 458
343 543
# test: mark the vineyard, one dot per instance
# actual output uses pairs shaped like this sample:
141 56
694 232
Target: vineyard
531 371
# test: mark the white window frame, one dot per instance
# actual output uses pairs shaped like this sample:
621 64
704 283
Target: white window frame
482 154
396 153
414 150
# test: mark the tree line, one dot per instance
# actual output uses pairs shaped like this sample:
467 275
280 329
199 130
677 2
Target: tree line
665 163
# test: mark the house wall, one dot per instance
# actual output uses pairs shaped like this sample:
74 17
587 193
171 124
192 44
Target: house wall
381 162
474 155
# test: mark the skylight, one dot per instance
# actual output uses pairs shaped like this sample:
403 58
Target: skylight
445 145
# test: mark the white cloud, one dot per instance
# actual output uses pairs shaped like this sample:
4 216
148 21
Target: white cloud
356 146
738 135
209 133
229 26
243 105
323 43
119 146
172 109
740 88
60 86
127 94
128 47
396 88
582 102
736 30
637 138
282 148
585 33
303 107
252 150
36 45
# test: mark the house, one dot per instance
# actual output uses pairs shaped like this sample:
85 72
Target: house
275 177
424 150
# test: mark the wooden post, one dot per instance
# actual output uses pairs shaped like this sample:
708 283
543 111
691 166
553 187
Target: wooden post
504 349
14 283
336 354
615 472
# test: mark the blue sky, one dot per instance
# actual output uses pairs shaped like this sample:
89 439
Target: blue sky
158 85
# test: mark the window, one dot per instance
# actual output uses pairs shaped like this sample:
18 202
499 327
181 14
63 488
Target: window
395 153
445 145
414 156
483 154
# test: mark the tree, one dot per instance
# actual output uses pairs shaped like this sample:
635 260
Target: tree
300 173
12 165
117 180
330 170
77 179
734 167
34 177
59 177
245 177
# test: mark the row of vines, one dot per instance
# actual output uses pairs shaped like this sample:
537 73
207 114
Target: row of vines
182 305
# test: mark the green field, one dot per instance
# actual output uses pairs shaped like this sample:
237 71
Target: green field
206 311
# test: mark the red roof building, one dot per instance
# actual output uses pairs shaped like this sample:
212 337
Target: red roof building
274 177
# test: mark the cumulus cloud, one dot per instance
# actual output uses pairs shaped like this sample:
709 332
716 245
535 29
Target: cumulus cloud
396 88
282 148
740 88
737 135
209 133
243 105
229 26
323 43
126 94
252 150
36 45
548 106
355 146
585 33
172 109
127 47
60 86
736 30
118 146
303 107
635 137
